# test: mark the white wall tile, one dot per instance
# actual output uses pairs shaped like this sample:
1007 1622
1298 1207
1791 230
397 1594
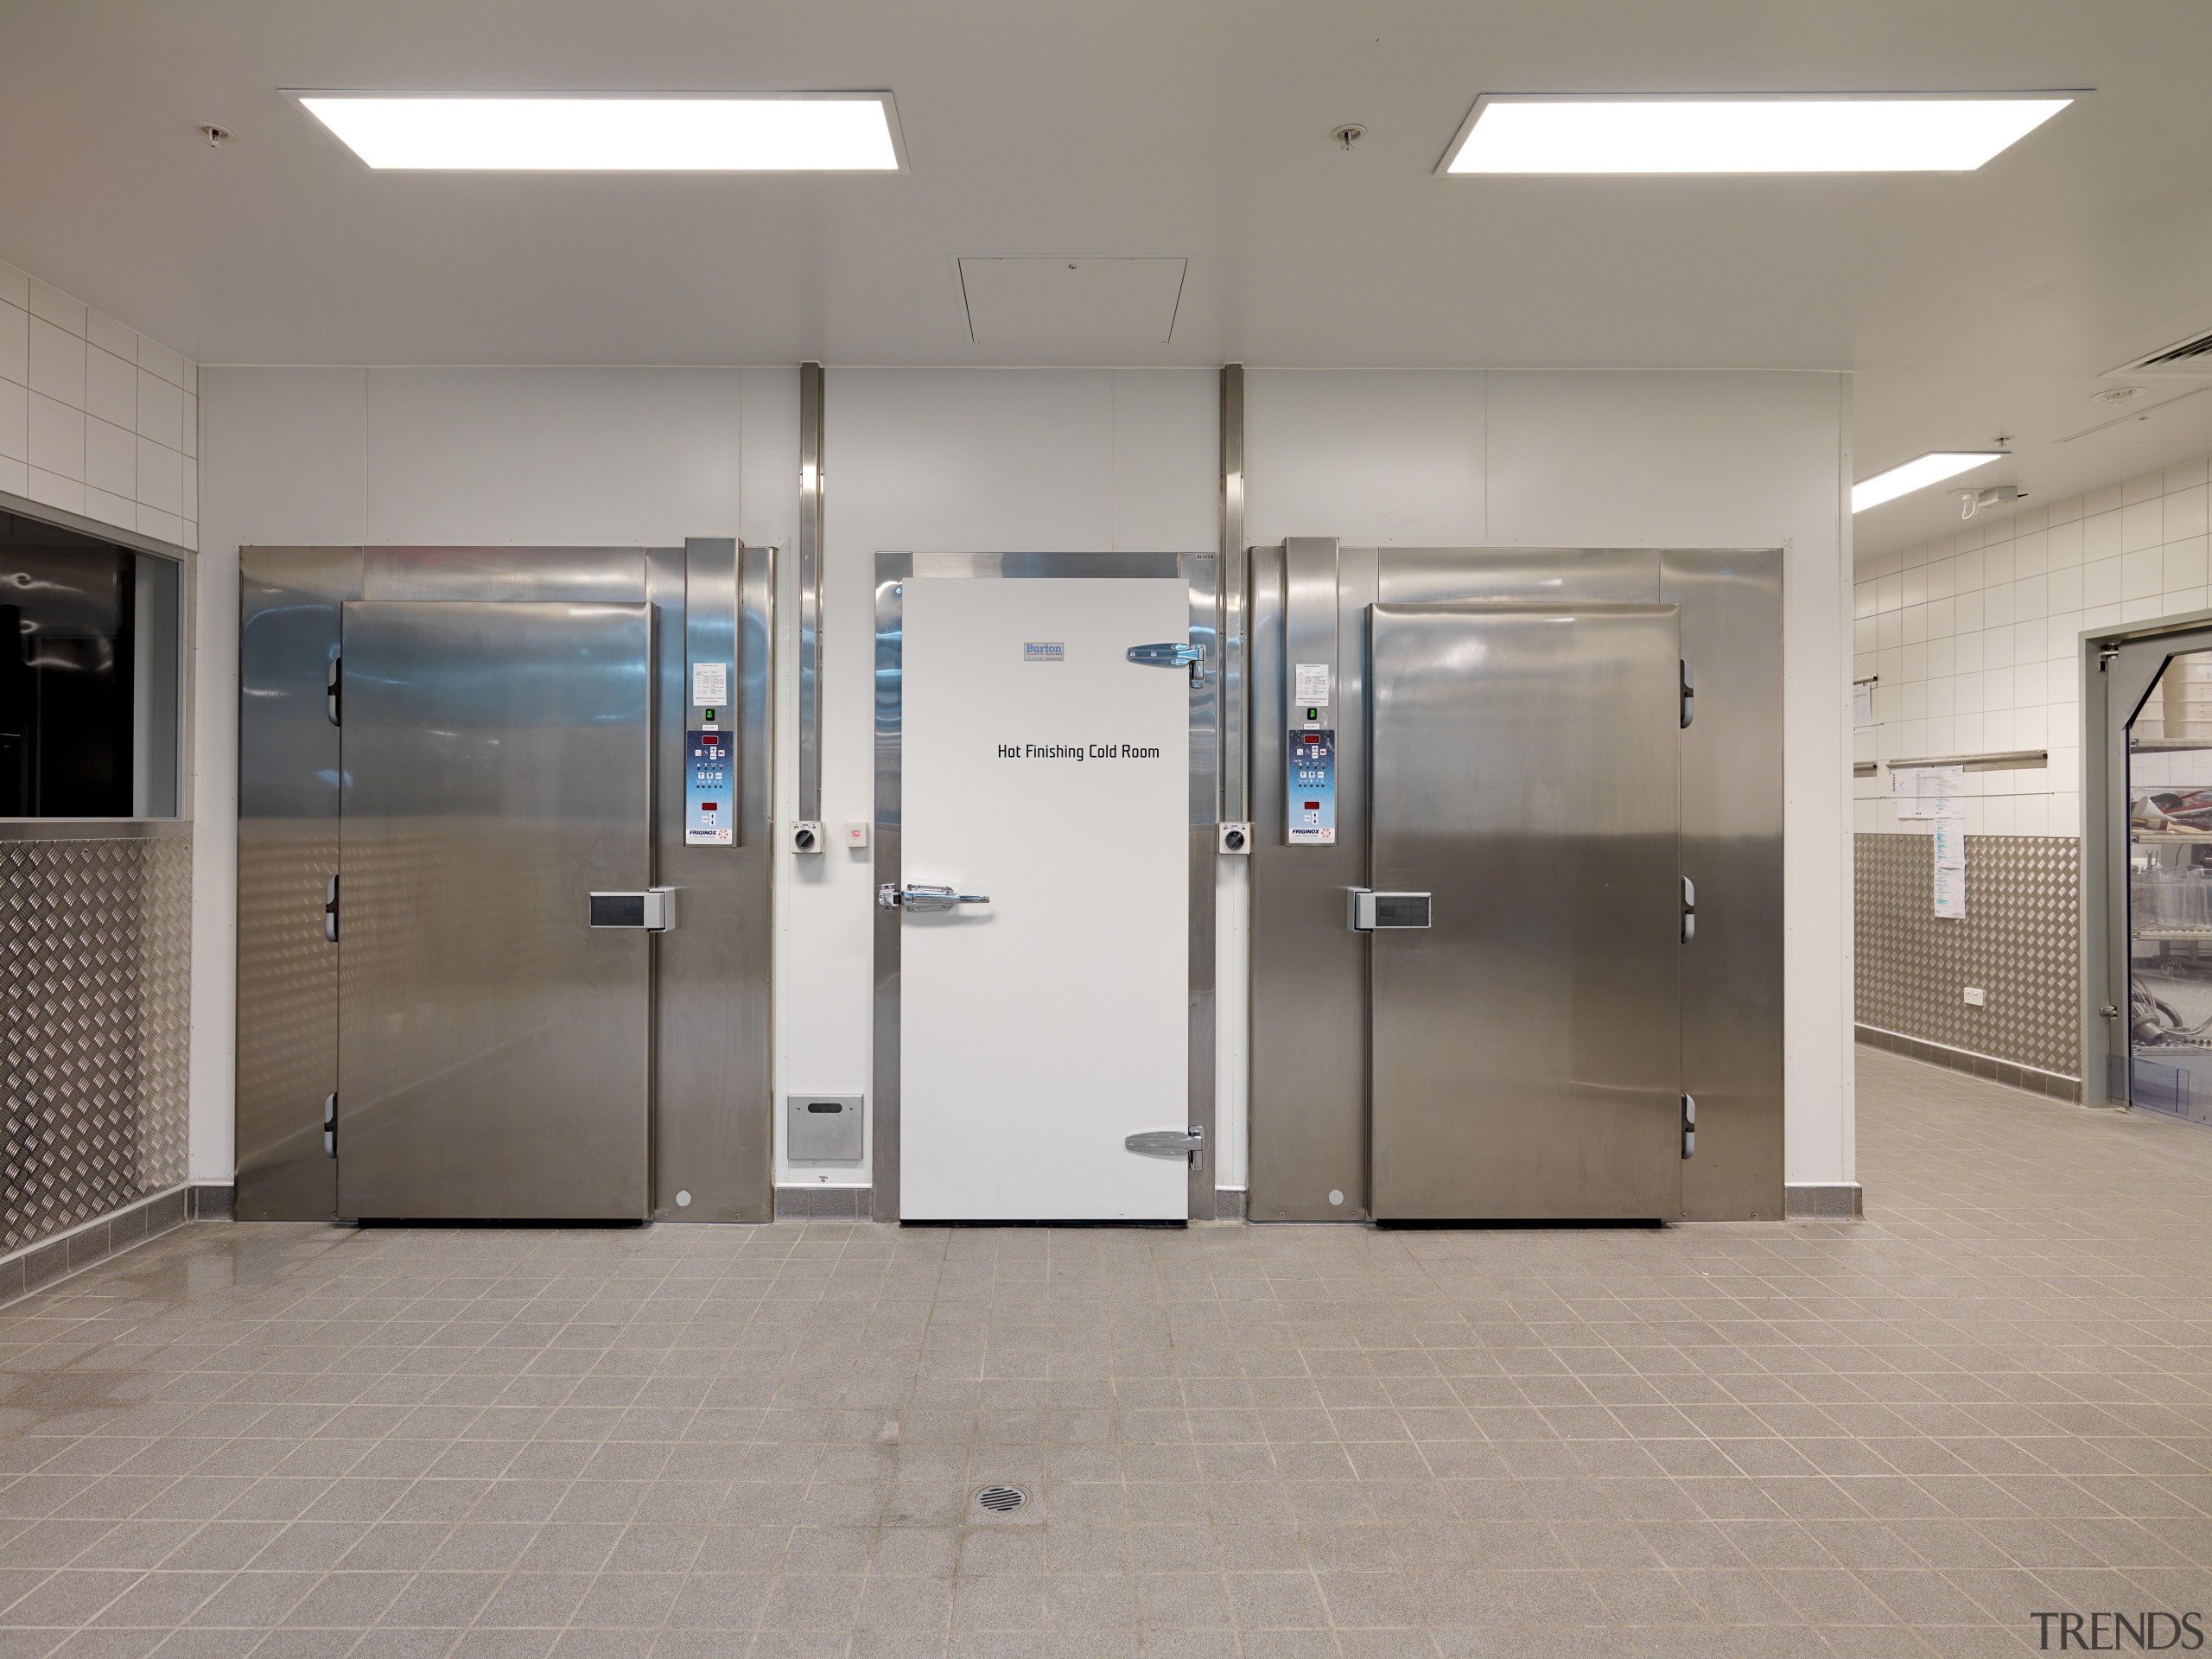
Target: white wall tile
110 509
57 444
161 410
157 359
54 491
15 344
110 459
165 526
15 476
111 388
2183 563
15 423
16 291
2008 601
57 363
161 478
192 427
104 332
57 307
2142 523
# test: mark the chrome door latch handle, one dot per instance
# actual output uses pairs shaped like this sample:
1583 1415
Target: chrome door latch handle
925 896
1689 910
1173 654
1188 1144
330 910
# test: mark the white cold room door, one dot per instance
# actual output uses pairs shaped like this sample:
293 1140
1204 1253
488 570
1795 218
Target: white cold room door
1042 768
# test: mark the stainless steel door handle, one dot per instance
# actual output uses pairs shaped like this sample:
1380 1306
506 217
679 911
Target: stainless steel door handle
1171 653
925 896
1189 1144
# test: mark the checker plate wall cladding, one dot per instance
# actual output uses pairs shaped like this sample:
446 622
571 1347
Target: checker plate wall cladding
2019 941
96 935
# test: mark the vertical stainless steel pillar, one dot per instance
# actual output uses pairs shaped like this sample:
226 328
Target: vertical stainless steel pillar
809 591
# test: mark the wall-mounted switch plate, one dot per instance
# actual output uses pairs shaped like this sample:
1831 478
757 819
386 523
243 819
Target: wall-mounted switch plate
806 836
1975 996
856 832
1235 838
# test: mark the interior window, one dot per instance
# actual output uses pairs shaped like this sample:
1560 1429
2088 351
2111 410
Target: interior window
88 676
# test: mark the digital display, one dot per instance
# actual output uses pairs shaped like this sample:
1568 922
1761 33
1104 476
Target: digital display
706 781
1310 799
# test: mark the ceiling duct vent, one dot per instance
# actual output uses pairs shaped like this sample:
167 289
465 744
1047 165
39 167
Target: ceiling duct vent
2192 357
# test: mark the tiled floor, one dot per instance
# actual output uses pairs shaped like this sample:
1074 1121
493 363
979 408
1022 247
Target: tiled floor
1992 1397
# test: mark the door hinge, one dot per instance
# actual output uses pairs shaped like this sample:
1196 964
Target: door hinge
331 690
1690 1126
2109 1012
1173 654
1188 1144
2107 657
1689 694
330 1126
330 910
1689 910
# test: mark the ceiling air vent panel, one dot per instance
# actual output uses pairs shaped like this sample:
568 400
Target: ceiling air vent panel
2192 357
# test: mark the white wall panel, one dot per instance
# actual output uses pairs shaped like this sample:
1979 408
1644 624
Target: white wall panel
552 457
1374 457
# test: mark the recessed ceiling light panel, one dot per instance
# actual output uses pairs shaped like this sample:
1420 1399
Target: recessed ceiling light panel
1918 474
569 133
1826 132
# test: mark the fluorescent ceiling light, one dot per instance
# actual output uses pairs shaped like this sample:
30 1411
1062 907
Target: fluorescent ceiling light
1811 133
1918 474
831 132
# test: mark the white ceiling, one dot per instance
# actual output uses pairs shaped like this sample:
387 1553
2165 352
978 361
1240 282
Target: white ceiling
1192 129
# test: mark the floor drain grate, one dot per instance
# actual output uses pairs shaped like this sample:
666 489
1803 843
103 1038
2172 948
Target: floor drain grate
1000 1500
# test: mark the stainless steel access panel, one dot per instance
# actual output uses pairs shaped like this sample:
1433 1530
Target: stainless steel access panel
1487 1035
493 1046
482 973
1526 1019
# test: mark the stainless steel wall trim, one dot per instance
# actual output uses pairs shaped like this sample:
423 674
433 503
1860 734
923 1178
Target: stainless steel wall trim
891 570
711 1100
1233 578
95 829
1201 571
1994 760
810 433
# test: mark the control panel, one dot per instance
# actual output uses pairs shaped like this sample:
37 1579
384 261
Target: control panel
710 785
1310 772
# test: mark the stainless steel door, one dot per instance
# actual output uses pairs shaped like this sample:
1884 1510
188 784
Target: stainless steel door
1527 1044
493 1047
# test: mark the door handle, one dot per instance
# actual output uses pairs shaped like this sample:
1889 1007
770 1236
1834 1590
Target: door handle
330 910
1173 654
1689 910
920 896
1188 1144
